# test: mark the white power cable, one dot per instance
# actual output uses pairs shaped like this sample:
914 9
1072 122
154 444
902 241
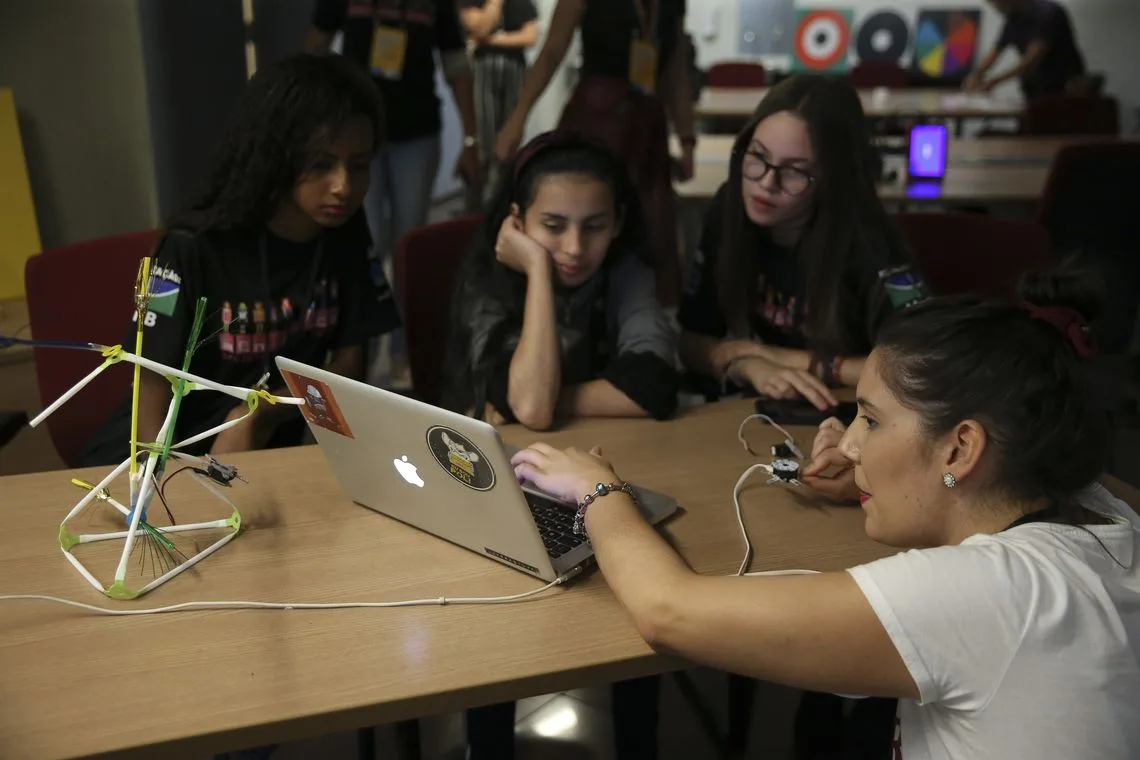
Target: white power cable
237 605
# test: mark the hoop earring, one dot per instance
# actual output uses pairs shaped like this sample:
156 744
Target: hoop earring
949 480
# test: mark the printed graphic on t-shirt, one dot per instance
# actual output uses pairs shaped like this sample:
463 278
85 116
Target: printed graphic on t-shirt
778 309
320 407
251 331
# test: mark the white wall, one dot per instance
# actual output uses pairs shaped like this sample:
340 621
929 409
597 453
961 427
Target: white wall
76 69
1107 32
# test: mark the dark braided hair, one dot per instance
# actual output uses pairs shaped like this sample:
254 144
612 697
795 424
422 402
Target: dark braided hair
289 111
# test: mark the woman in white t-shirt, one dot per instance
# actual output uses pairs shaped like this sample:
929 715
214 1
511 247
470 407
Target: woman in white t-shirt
1014 631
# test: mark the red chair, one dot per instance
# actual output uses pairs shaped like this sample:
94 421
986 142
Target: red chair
1064 115
426 262
1089 207
82 292
974 253
868 75
737 75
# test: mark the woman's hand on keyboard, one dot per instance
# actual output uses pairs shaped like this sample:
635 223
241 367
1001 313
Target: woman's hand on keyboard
568 474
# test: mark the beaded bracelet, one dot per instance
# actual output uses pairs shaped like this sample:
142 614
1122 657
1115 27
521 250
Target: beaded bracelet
599 491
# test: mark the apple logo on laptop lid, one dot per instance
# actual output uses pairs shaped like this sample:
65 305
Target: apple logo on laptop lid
408 471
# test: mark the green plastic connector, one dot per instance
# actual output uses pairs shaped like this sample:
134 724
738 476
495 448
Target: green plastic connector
119 590
67 539
235 521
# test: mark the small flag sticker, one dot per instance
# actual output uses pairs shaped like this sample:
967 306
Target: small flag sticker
165 285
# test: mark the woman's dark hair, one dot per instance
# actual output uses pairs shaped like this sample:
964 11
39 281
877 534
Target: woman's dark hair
289 110
965 357
847 233
550 154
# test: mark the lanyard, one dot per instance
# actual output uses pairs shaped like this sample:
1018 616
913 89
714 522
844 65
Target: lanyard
403 11
647 27
310 304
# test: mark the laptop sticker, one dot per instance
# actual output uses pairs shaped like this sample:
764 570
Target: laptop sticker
460 458
320 407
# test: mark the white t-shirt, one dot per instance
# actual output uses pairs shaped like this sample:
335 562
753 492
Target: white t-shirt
1024 644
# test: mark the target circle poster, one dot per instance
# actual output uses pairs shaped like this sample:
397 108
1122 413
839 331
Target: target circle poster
822 38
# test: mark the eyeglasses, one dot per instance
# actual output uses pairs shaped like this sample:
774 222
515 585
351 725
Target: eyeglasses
790 179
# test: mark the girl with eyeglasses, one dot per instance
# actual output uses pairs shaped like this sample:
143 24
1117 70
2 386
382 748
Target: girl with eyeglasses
798 262
798 265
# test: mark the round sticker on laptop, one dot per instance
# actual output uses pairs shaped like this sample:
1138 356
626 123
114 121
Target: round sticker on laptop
460 458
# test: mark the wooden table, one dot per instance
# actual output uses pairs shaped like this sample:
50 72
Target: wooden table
189 684
200 682
917 102
990 170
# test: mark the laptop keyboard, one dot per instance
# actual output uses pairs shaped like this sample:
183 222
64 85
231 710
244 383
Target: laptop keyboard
555 524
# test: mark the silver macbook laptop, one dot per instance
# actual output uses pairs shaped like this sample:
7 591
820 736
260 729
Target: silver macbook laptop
441 472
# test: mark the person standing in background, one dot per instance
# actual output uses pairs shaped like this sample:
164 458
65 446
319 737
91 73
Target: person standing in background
500 33
1042 33
634 78
396 41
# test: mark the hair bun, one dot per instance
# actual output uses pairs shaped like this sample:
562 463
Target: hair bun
1066 286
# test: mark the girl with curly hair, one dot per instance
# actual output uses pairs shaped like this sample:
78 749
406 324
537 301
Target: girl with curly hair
278 246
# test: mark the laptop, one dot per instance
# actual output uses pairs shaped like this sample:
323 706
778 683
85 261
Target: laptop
442 472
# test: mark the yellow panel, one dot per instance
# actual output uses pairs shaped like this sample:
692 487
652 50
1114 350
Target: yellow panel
19 235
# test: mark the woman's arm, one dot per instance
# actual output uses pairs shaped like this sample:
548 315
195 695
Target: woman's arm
534 382
481 22
850 367
711 356
563 24
597 398
534 377
813 632
522 38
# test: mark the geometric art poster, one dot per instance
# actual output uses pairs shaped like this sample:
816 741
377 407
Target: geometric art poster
946 43
883 36
821 40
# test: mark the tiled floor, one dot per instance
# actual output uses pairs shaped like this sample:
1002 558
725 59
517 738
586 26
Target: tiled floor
576 725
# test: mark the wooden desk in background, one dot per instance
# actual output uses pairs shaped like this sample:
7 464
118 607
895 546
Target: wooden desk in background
938 104
990 170
173 685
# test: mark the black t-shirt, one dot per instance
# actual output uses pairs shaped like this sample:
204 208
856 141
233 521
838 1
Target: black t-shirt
779 315
608 27
515 15
411 106
320 296
1048 22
